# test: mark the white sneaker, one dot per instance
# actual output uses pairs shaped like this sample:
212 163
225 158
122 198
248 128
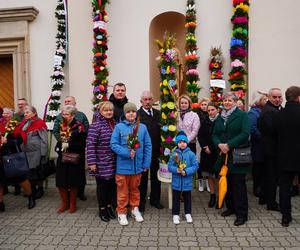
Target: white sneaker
207 186
189 218
201 185
137 214
176 219
122 218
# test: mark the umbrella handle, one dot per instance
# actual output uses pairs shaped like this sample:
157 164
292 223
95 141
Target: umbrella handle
226 159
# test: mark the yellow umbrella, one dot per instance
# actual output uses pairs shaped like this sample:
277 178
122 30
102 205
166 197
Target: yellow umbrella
222 183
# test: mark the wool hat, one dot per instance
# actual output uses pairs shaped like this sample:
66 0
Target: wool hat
181 136
129 107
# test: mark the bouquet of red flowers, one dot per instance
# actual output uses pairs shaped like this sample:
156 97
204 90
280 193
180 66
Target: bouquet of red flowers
132 141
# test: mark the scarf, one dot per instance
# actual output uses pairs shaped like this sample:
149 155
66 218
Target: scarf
183 112
225 114
212 119
30 125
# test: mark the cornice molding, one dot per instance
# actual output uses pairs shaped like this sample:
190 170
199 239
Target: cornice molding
18 14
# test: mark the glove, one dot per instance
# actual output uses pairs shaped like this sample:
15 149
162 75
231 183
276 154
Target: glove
64 146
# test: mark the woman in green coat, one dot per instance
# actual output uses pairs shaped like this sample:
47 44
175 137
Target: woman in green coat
232 129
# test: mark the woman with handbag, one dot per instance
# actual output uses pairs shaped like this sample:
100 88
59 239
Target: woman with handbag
10 144
70 171
231 130
33 131
101 159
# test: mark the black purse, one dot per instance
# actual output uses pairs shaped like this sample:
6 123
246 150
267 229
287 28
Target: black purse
241 156
42 171
15 164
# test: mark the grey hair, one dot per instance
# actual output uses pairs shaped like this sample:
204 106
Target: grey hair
272 89
146 93
230 94
8 110
70 109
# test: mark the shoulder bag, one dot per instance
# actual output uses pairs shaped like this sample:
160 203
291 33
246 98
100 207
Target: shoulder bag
241 155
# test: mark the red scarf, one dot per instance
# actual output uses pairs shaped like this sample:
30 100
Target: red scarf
2 126
37 124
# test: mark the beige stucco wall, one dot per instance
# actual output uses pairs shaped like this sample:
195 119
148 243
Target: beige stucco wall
273 53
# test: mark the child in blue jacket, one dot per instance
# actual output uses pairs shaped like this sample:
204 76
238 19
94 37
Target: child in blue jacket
131 142
183 164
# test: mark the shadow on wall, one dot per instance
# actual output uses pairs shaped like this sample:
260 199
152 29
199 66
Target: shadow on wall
169 21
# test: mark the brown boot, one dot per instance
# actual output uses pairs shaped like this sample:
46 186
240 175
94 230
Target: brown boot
73 194
64 200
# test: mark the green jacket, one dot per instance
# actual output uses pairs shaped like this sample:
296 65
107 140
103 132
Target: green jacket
236 132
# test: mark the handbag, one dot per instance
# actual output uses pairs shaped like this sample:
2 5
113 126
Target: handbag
15 164
70 158
241 155
42 171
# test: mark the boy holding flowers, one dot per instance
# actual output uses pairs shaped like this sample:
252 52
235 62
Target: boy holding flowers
132 144
183 164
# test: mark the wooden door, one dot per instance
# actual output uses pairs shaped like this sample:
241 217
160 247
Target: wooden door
6 81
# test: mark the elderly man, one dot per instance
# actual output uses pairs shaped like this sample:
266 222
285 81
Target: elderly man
119 99
19 116
151 118
287 124
79 116
268 142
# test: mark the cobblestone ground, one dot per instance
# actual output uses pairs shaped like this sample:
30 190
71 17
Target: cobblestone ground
42 228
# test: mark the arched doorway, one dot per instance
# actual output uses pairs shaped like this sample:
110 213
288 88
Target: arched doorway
168 21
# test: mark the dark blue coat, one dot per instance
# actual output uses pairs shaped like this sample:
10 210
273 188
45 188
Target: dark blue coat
256 146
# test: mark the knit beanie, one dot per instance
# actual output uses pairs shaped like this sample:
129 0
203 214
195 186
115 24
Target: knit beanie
129 107
181 136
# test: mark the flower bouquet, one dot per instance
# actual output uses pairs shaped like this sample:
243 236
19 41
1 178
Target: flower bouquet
132 140
65 132
10 127
180 163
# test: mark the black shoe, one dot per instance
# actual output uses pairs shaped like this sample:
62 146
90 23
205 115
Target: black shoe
39 193
157 205
2 206
82 197
286 219
104 215
212 200
262 201
31 202
295 191
227 212
256 191
274 207
240 221
111 213
142 208
17 190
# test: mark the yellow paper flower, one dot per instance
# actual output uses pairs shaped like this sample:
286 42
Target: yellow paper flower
170 105
162 139
164 105
243 7
172 128
166 92
165 83
168 70
163 116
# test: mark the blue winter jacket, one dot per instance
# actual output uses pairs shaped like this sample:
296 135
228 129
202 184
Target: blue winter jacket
179 182
118 142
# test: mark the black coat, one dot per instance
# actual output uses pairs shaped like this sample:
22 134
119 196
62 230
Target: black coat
153 126
266 128
207 161
118 107
287 128
68 175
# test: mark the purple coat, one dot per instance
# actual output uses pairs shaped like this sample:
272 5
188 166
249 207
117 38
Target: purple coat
99 152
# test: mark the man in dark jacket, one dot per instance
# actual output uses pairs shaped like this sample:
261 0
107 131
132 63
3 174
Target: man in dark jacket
268 142
287 124
151 118
119 99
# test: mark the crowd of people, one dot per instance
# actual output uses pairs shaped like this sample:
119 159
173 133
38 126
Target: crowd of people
121 147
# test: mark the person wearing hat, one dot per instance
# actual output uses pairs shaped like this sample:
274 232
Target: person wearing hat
131 142
183 164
